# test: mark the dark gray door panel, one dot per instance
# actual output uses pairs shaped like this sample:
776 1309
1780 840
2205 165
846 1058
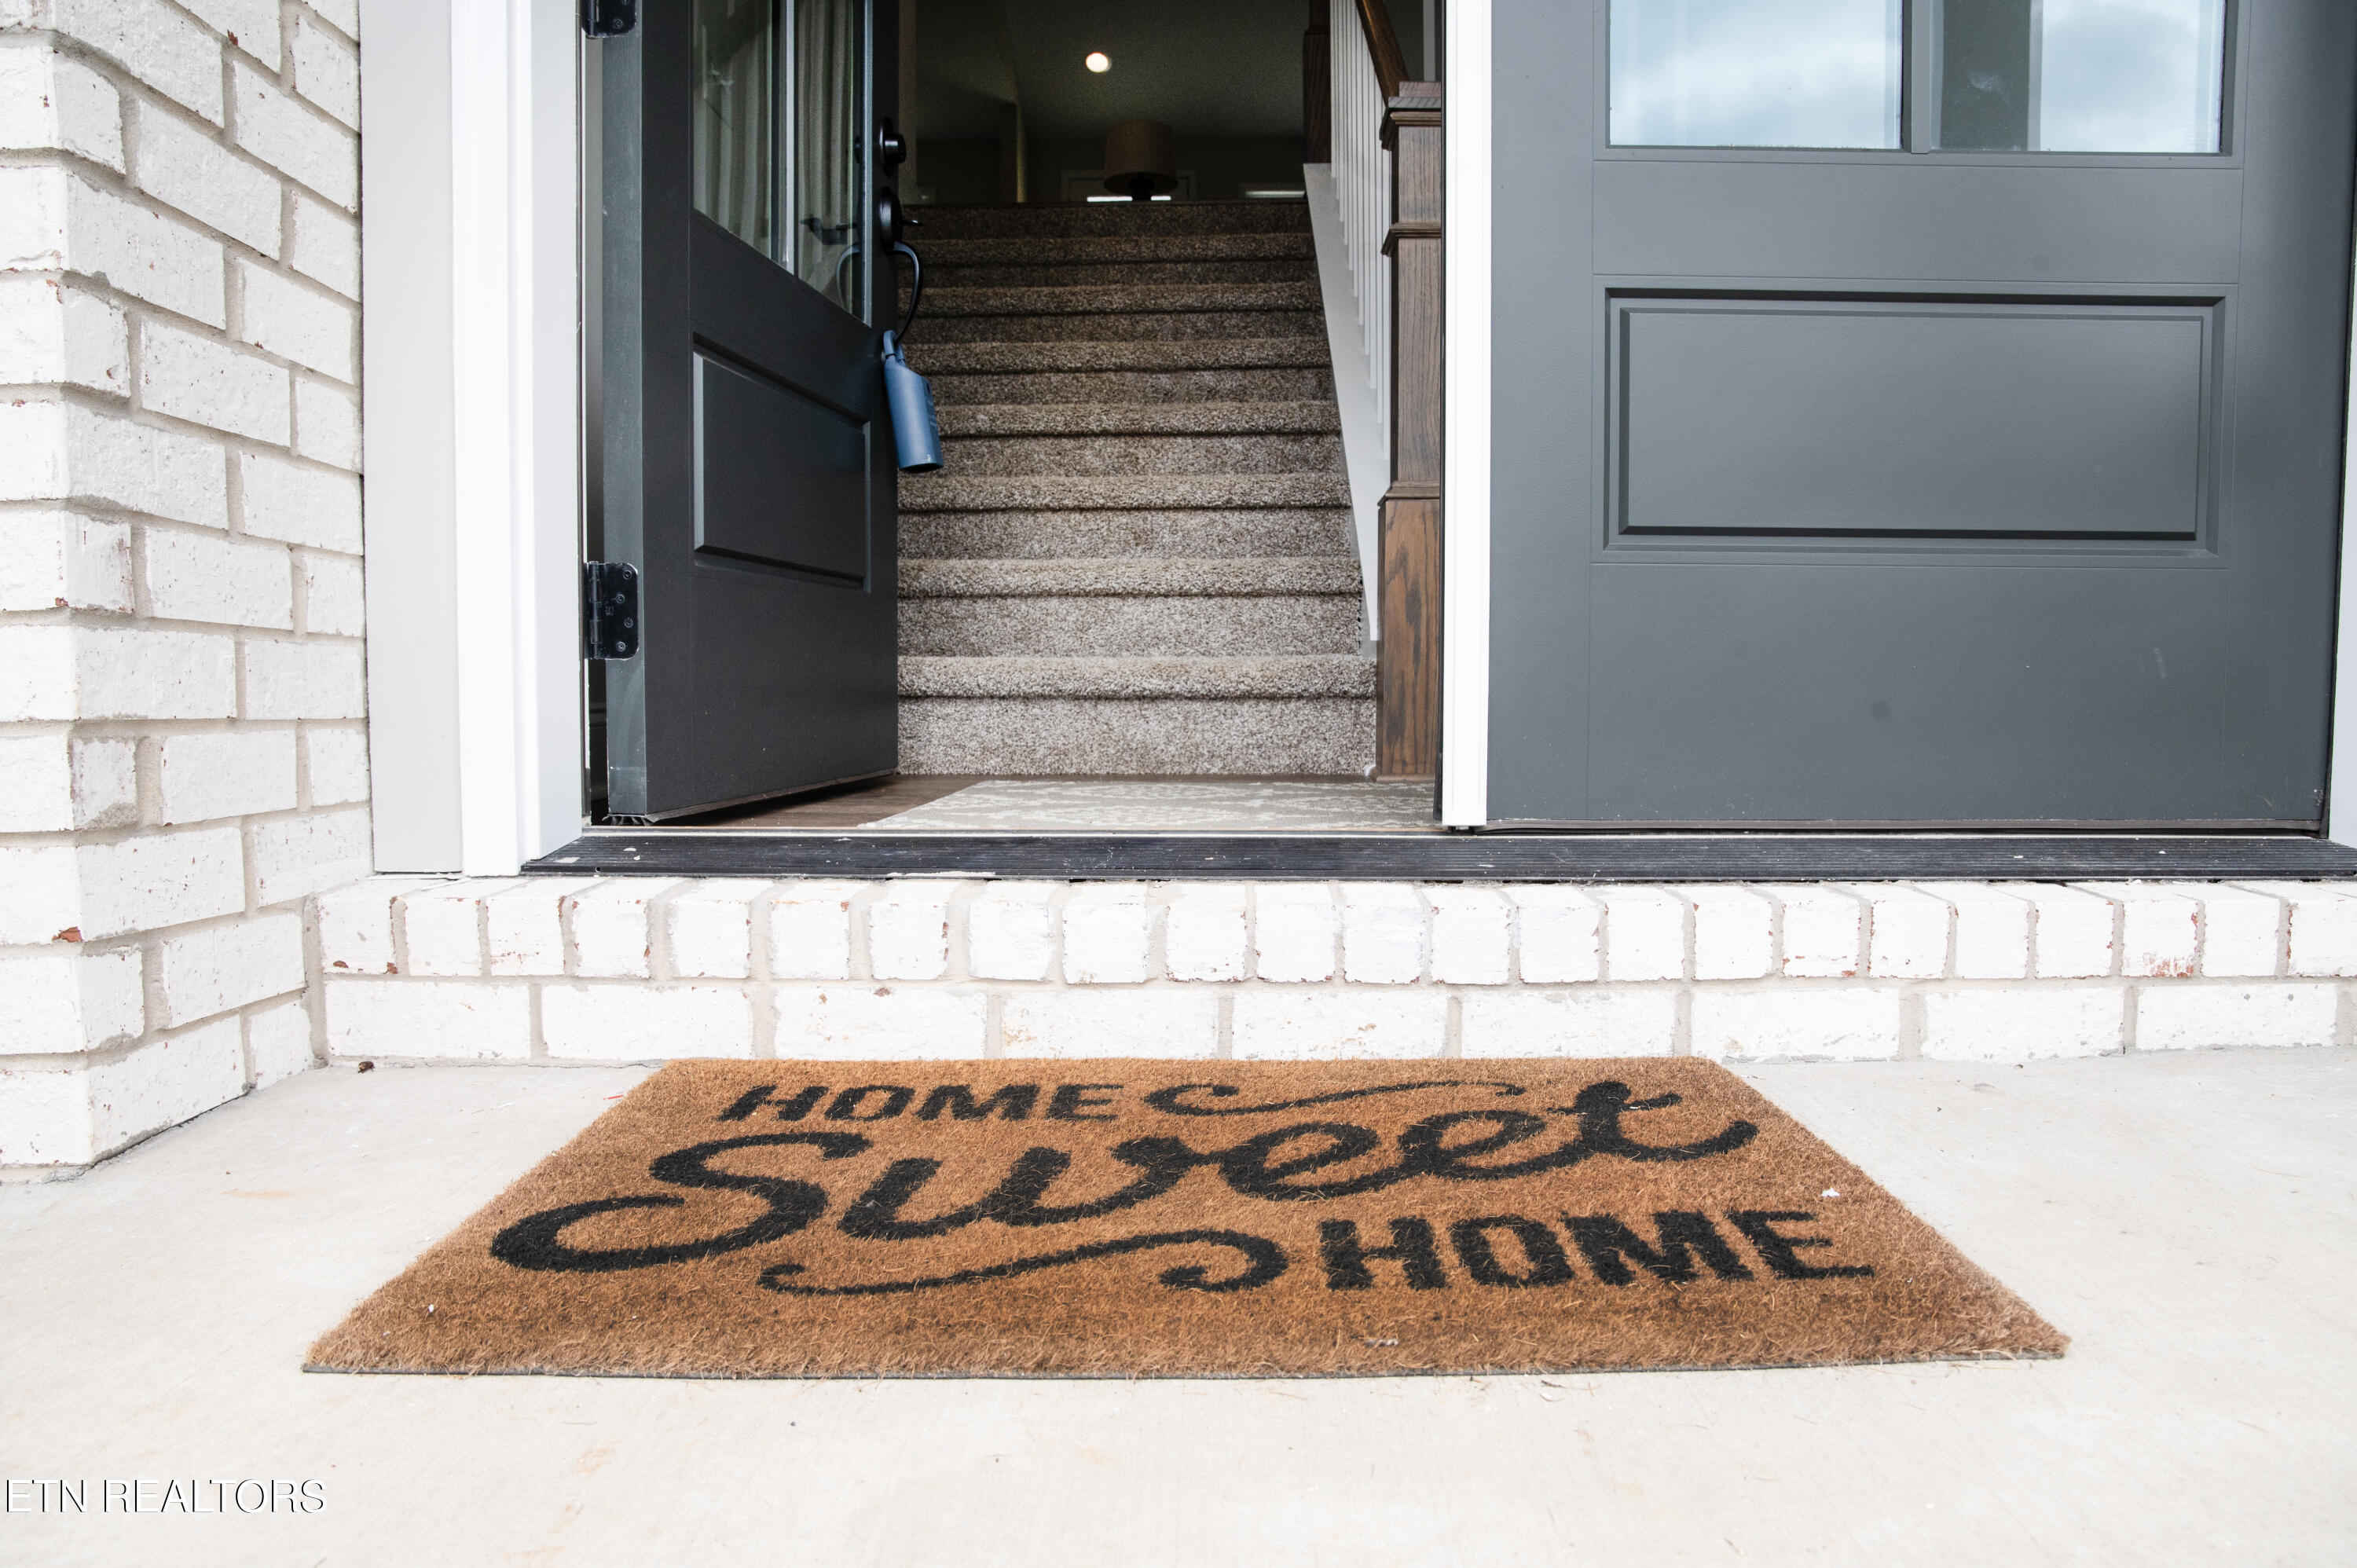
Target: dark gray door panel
1904 486
781 480
1787 694
1850 416
743 475
1921 217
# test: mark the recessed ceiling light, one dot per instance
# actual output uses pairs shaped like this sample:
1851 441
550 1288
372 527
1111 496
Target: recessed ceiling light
1099 62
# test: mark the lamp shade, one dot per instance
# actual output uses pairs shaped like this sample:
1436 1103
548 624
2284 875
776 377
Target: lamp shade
1137 153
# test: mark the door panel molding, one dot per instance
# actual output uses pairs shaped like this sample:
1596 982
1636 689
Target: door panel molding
2108 414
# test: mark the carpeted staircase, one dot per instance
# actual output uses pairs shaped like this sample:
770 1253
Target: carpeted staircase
1139 557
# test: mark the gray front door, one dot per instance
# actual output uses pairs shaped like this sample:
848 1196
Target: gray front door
1918 414
747 458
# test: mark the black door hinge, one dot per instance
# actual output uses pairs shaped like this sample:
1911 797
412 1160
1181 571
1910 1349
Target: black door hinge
609 613
608 18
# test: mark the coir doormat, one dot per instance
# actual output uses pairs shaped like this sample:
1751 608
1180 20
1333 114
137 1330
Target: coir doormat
1123 1217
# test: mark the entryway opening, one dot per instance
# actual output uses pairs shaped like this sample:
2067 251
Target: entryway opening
1142 592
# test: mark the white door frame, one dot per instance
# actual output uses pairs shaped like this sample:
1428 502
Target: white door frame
470 324
471 258
1465 423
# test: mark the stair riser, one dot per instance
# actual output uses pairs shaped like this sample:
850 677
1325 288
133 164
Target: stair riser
1038 221
1168 326
1024 419
1136 354
1159 249
1063 735
1118 275
1290 384
1078 455
946 303
1137 629
1201 680
1048 535
1119 492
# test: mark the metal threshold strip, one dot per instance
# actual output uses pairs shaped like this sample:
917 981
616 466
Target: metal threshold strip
1453 857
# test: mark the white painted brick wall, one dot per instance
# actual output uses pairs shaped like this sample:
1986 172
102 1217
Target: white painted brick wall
1907 932
1011 930
1384 926
1605 1021
2322 927
1329 1025
1295 926
182 754
1208 931
1734 933
810 931
613 935
1108 934
645 1022
908 931
1559 935
1066 1025
680 959
1645 933
1472 935
2195 1017
278 1042
1992 929
711 929
1847 1023
523 925
2073 932
2024 1023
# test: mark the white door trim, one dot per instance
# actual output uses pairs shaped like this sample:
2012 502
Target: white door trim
2340 786
1465 449
472 344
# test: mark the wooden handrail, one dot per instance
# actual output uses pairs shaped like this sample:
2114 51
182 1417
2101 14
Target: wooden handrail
1383 43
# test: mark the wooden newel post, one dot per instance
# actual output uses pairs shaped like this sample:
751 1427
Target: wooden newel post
1408 735
1317 88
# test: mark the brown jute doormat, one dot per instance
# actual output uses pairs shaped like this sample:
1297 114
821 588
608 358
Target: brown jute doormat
1122 1218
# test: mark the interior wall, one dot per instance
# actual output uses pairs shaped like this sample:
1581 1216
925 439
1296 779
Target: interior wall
960 173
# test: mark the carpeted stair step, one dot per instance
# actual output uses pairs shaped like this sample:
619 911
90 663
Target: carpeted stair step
944 255
934 357
1139 419
1155 492
1060 221
1097 625
1292 384
1078 457
1146 327
1082 736
1154 272
1139 558
1293 675
1129 577
1050 534
1133 300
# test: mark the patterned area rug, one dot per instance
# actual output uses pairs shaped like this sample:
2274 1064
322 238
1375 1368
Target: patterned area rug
1128 1218
1027 805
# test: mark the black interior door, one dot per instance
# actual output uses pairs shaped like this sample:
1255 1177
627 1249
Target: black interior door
1920 412
747 458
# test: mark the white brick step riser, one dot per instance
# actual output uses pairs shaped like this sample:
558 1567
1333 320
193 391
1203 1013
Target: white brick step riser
1095 736
639 969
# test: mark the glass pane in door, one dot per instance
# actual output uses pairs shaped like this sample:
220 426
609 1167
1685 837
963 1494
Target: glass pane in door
829 117
799 196
1756 73
734 59
2082 76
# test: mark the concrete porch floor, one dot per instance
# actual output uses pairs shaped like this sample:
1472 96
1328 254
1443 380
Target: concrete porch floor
2185 1218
